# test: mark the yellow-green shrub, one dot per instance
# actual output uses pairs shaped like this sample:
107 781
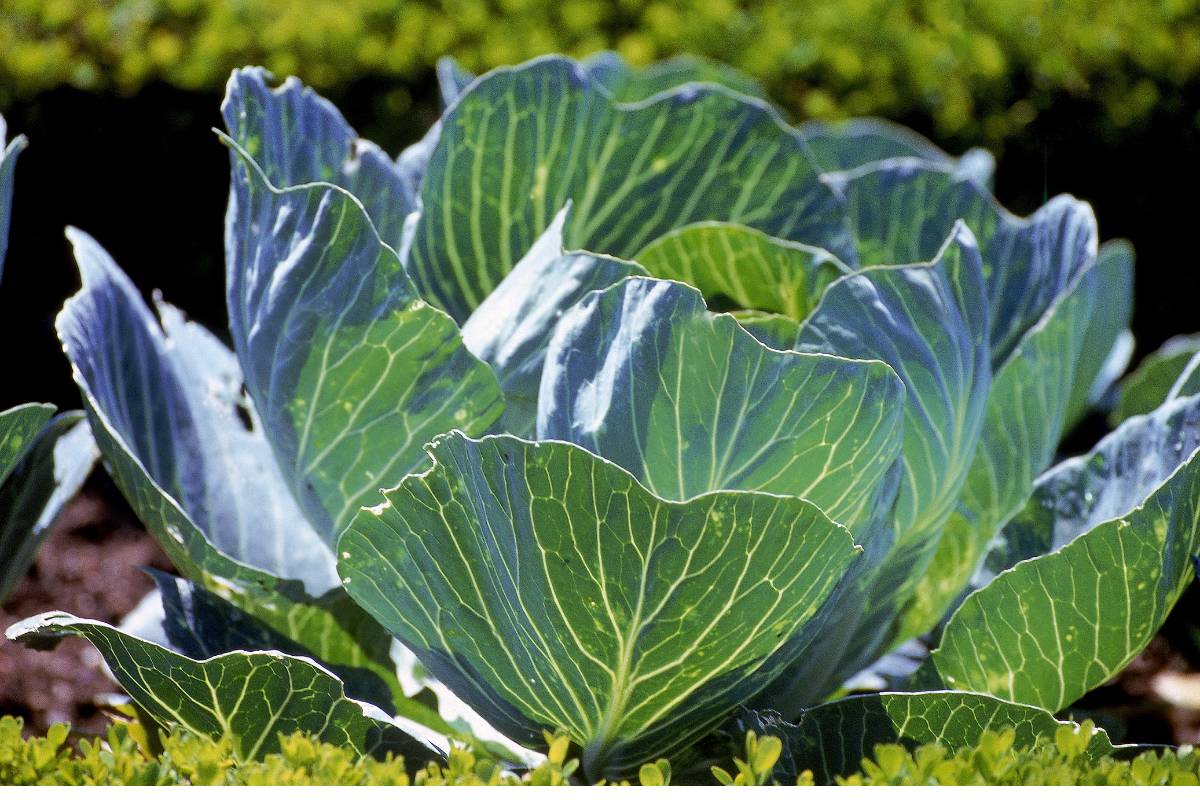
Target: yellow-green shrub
123 757
982 70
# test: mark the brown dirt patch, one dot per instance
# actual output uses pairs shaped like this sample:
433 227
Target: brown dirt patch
87 566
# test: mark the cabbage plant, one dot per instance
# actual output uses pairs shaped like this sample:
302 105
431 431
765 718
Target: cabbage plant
682 417
44 458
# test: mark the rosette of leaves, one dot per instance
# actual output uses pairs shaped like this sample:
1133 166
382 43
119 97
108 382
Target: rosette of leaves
676 409
44 458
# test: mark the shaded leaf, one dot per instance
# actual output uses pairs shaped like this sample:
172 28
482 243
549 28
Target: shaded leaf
743 267
50 473
8 164
1188 382
1147 387
1108 342
19 427
852 143
833 739
901 211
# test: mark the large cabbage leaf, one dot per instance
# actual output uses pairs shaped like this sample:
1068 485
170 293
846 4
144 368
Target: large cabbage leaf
521 142
550 590
644 376
249 698
511 329
901 210
204 484
1027 412
299 137
1101 552
349 369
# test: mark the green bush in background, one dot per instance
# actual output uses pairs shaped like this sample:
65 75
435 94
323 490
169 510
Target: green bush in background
981 70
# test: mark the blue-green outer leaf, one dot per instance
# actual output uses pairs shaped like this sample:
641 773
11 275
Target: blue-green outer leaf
902 209
689 402
350 370
8 164
512 327
299 137
1027 412
180 425
929 323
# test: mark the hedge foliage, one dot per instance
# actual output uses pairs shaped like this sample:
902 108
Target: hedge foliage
123 758
982 70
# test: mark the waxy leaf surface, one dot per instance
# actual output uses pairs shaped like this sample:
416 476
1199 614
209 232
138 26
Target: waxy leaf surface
550 590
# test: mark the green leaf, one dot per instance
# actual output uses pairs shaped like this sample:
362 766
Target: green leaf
512 327
180 454
929 323
1026 416
452 79
523 141
181 434
622 81
853 143
199 624
1147 387
643 375
299 137
833 739
50 473
1118 528
901 211
547 588
1188 382
19 427
1108 342
251 698
743 267
774 330
8 164
631 84
349 369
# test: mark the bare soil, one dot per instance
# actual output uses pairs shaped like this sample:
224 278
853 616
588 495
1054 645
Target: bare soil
89 565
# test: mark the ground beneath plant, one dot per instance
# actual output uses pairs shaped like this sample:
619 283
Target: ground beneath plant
90 566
